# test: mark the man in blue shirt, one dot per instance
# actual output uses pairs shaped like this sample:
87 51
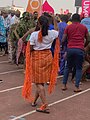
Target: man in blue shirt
86 22
62 25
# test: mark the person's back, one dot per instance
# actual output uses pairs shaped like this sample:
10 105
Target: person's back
76 34
62 25
86 22
46 41
41 62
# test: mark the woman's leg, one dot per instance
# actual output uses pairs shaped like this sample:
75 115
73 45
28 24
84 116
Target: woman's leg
42 95
36 95
41 91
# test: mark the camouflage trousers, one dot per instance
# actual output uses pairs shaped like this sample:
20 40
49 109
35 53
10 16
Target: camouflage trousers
12 48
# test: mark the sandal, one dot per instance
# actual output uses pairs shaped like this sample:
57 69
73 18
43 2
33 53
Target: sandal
1 81
77 89
64 88
33 104
43 109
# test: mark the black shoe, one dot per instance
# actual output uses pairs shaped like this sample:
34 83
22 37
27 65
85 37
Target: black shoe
1 81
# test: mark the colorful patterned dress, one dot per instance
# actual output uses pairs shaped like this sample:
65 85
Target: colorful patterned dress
2 31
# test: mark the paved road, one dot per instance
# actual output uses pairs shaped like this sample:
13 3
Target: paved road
63 105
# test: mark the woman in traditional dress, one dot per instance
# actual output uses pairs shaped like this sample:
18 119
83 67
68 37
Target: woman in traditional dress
43 67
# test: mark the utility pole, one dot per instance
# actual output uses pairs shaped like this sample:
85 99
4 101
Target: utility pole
12 2
78 4
77 9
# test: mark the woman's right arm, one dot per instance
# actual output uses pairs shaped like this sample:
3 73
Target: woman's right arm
55 24
27 33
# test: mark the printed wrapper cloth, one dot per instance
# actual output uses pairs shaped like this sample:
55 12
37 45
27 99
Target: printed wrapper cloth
55 66
27 88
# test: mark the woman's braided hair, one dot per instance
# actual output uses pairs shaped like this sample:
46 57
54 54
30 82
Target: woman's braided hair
43 20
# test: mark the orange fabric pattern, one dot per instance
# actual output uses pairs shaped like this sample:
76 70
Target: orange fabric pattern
55 66
40 69
41 66
27 88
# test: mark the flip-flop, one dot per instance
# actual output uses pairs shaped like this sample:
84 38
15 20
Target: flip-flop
1 81
43 111
33 104
78 90
64 88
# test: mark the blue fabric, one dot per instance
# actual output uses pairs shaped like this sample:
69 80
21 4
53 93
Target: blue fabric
62 26
2 30
86 22
51 27
75 58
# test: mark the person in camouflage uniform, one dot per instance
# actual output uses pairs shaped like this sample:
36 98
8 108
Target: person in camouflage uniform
18 30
